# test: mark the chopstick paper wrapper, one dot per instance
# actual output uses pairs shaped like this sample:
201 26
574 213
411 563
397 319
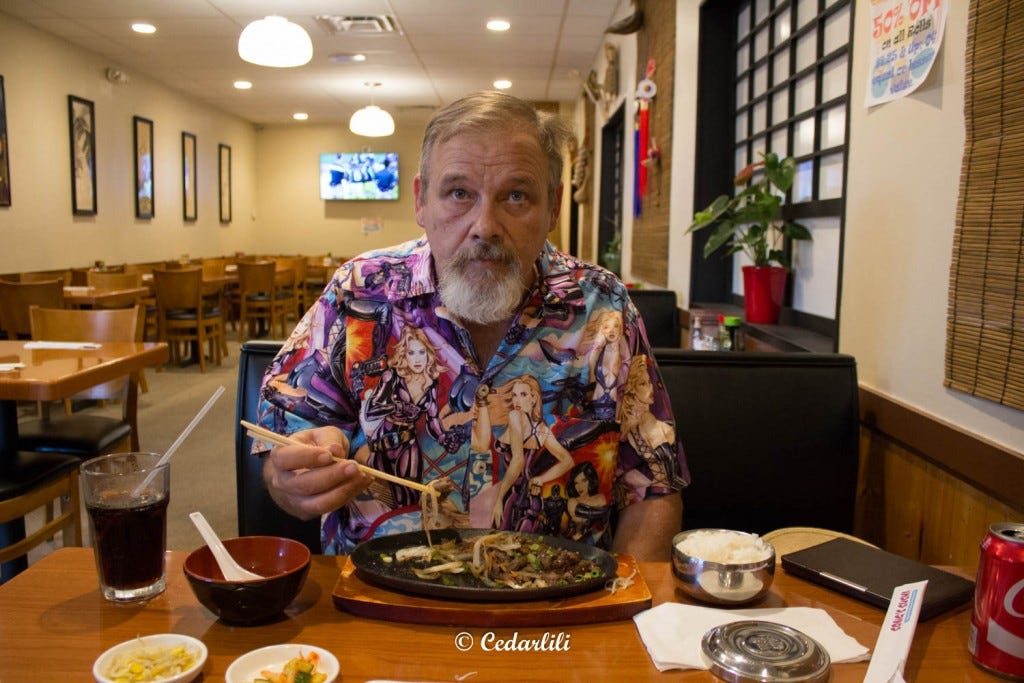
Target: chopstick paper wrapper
62 345
264 434
11 367
672 632
894 640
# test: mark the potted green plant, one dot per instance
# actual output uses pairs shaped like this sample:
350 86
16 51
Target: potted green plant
747 222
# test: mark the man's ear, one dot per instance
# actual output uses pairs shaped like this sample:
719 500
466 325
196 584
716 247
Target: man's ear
417 193
556 207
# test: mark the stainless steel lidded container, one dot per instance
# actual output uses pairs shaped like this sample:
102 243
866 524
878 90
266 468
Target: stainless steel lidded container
764 652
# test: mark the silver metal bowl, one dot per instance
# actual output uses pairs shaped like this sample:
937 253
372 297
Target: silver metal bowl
721 583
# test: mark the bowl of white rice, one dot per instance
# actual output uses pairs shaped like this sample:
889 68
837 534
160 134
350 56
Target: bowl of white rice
723 567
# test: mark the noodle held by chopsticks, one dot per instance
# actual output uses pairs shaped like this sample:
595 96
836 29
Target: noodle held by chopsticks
431 509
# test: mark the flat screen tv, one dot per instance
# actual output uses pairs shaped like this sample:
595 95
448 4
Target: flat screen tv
359 175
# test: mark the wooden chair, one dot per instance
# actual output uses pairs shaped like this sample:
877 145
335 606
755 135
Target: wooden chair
17 297
108 279
262 297
146 269
295 282
83 434
216 294
113 280
183 316
46 275
29 481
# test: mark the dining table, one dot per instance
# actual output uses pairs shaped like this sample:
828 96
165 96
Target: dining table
54 373
56 624
79 297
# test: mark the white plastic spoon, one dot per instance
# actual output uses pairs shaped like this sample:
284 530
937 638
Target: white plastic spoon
231 570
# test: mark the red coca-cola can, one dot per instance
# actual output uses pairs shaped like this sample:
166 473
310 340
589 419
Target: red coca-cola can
996 641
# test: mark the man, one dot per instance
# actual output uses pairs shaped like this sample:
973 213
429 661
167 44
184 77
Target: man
478 357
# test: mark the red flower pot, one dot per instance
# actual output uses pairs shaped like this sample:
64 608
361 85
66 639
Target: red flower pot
763 290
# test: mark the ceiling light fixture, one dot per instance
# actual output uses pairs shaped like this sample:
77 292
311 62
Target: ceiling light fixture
502 84
242 85
275 41
372 121
300 116
498 25
142 27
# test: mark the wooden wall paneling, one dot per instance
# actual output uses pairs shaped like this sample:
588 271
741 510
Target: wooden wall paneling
910 503
656 40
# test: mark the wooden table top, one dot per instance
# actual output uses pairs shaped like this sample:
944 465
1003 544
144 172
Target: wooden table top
56 623
92 296
53 374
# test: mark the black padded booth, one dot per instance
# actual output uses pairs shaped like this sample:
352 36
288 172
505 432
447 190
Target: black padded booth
258 514
660 314
771 438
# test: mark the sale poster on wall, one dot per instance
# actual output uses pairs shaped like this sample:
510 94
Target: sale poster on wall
905 40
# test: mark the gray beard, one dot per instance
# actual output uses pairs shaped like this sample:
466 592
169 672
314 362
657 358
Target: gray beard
486 298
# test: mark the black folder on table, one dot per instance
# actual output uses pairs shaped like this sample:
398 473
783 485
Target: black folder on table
871 574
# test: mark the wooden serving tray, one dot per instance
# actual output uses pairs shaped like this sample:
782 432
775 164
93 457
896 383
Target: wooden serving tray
354 595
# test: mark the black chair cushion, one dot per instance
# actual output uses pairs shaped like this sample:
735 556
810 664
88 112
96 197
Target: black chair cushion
190 314
263 298
79 434
25 471
258 514
658 309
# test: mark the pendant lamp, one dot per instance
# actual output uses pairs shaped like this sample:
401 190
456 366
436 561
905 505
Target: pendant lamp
275 41
371 121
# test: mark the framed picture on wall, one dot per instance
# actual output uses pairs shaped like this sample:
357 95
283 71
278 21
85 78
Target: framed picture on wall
188 179
224 169
82 129
5 164
143 134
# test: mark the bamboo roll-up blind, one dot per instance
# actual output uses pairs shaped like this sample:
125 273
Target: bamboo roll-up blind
985 323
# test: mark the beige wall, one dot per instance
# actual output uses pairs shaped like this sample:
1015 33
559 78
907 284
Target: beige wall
902 192
39 229
291 215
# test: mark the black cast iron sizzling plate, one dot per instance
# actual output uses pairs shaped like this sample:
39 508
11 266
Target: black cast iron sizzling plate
370 567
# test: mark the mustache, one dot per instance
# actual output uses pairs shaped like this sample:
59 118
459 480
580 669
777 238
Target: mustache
484 251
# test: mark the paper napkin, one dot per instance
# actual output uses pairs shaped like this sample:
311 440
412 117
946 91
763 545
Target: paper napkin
10 367
62 345
672 632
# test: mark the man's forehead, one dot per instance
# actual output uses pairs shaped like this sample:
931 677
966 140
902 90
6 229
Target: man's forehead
467 155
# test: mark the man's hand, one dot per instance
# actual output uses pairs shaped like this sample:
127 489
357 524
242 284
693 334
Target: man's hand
307 481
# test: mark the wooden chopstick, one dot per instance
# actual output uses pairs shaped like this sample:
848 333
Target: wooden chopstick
281 440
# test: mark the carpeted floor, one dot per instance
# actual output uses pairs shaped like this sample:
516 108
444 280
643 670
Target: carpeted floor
203 468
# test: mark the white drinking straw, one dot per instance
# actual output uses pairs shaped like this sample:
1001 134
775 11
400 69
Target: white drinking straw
181 437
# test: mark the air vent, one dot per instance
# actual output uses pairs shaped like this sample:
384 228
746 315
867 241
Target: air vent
372 24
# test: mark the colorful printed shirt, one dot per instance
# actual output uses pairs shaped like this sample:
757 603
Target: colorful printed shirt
567 422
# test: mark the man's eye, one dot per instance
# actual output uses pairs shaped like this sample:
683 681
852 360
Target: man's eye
459 193
517 196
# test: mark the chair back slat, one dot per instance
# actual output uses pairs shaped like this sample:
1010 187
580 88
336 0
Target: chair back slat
93 325
181 288
112 280
256 277
17 297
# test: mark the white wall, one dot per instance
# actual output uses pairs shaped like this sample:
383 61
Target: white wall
39 72
902 191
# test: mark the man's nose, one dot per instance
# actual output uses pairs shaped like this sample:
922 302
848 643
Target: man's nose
487 226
